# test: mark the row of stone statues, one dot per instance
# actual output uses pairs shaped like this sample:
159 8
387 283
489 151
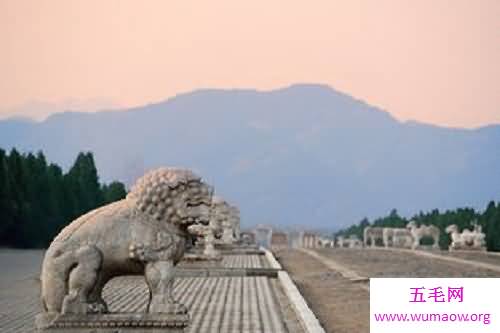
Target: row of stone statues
412 235
146 233
409 237
224 228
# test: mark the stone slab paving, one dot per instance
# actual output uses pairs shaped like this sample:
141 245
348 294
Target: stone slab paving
217 304
231 261
245 261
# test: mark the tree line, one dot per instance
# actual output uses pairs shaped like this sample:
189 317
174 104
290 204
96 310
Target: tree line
489 219
38 199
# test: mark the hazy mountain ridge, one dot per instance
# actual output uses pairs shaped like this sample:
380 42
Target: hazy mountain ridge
306 154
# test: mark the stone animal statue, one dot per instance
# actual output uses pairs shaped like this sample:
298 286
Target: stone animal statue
207 234
423 231
403 238
326 242
397 237
372 234
234 218
466 239
353 242
145 233
222 212
480 236
343 242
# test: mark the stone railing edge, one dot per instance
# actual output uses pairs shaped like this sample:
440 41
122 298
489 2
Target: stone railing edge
305 315
273 263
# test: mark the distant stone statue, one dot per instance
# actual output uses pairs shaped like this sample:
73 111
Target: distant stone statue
145 233
222 214
296 238
234 217
263 235
247 238
341 242
207 234
326 242
397 237
480 237
353 242
344 242
372 234
423 231
467 240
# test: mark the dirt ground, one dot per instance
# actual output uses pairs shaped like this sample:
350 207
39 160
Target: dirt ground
341 305
385 263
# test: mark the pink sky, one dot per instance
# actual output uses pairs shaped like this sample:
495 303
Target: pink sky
435 61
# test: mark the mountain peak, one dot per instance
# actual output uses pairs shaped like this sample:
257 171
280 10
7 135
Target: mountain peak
299 154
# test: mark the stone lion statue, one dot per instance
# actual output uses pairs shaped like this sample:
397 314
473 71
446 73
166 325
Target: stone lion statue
222 218
424 230
145 233
206 234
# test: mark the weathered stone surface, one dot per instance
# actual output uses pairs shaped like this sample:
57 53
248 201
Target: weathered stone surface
247 238
423 231
226 221
206 235
371 235
112 323
398 237
146 233
234 219
467 240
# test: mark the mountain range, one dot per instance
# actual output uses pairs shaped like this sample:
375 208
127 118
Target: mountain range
302 155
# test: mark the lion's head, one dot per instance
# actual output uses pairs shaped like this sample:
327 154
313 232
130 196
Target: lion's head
173 195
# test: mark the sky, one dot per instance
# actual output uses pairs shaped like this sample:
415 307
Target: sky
434 61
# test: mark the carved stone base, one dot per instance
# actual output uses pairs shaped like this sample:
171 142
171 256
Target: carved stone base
111 323
467 248
201 257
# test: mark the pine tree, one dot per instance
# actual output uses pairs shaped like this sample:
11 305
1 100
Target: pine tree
113 192
6 214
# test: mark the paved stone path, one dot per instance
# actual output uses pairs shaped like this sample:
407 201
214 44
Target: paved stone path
216 304
245 261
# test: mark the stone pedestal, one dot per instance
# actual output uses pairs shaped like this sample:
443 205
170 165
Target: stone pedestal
112 323
465 249
192 257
